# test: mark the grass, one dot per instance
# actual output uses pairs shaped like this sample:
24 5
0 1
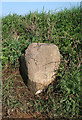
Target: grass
62 98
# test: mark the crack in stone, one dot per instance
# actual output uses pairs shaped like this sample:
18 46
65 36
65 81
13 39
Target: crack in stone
39 46
33 59
50 63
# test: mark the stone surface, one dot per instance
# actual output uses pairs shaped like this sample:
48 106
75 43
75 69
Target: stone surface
42 61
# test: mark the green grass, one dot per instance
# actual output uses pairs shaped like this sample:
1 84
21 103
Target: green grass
62 29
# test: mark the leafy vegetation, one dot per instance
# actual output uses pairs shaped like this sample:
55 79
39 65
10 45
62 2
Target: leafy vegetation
62 29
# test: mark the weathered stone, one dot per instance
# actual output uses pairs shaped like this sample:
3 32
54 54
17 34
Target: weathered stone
42 61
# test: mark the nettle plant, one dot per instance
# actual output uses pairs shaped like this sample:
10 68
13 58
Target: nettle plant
61 29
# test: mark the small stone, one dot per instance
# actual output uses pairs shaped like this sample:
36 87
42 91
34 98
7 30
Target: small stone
39 91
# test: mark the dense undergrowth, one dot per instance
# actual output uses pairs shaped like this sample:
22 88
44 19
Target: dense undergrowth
62 29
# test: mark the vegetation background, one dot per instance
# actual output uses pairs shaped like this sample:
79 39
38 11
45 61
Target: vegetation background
60 99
